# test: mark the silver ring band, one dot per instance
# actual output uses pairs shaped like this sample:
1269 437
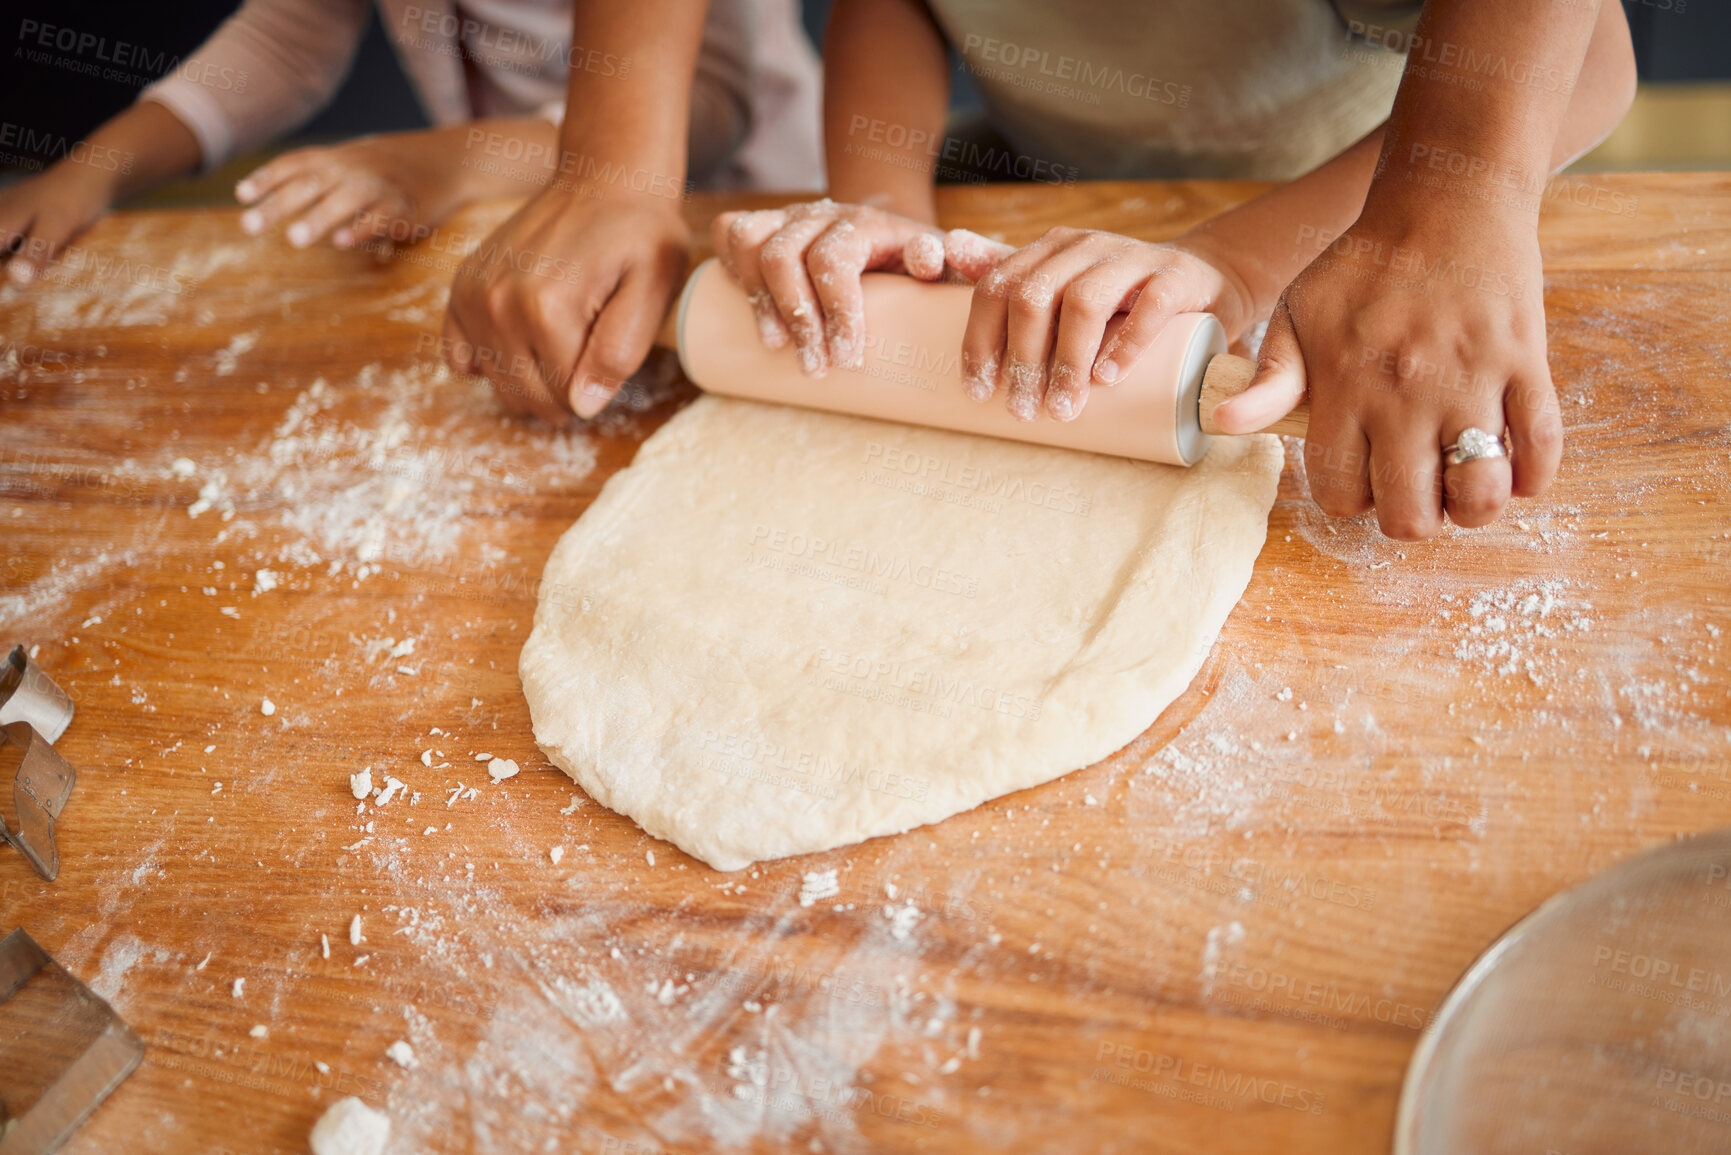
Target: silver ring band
1473 444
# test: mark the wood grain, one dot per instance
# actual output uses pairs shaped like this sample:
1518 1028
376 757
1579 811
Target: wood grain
1225 938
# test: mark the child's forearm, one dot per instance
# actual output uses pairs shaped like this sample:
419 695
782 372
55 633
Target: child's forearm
886 87
1270 239
140 148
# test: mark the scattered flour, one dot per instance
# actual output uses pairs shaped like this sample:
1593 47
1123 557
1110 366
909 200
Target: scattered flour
118 960
818 884
228 357
1514 629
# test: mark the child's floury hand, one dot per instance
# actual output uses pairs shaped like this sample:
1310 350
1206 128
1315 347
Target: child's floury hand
801 268
375 187
1039 316
1404 336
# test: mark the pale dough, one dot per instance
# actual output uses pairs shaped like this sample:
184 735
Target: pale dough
782 631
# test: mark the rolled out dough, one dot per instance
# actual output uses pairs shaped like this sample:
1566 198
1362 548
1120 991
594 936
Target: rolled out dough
783 631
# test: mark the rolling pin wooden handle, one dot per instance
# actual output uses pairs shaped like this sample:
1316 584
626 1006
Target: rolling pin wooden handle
1228 376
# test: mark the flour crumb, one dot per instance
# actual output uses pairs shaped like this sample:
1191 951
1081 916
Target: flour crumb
350 1127
572 807
325 945
1090 800
556 854
902 920
1285 695
228 357
205 962
239 988
818 884
500 769
356 938
260 1032
649 857
402 1055
392 786
483 757
361 785
263 581
184 467
267 707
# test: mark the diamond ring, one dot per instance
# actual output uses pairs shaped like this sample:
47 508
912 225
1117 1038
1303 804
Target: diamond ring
1473 444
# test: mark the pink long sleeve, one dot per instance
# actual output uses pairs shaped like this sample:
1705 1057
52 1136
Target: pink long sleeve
270 67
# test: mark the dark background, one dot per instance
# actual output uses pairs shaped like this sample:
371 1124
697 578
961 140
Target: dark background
1670 46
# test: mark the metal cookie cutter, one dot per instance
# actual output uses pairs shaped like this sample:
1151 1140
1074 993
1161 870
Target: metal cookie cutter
34 712
29 695
63 1050
42 784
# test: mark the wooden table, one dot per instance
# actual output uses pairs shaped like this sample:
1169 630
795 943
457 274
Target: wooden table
233 472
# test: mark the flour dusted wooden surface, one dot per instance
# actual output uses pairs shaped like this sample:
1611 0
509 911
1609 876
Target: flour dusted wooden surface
1225 938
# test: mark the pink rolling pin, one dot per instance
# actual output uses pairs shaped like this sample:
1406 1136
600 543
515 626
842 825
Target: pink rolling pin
912 373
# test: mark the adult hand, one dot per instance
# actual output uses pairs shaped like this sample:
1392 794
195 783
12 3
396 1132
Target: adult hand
1403 335
561 303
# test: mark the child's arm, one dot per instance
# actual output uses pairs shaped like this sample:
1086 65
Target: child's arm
268 67
398 185
606 242
139 148
886 87
1427 315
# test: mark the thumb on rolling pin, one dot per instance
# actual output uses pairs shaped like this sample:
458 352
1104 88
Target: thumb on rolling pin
1278 386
